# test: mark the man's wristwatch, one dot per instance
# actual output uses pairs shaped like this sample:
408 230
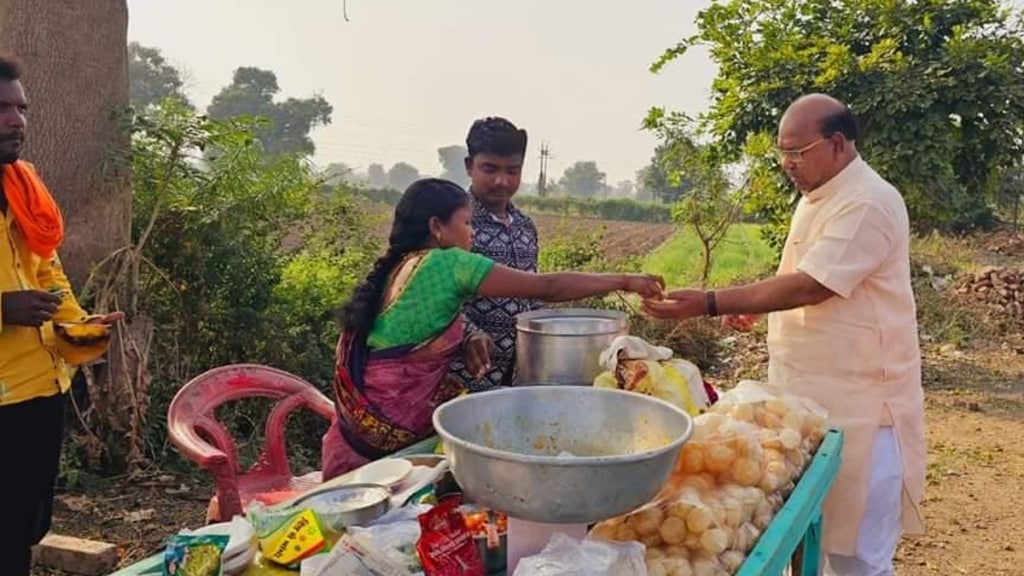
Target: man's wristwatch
712 306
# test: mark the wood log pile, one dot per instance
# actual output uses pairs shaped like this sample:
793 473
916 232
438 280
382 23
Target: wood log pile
998 288
1006 243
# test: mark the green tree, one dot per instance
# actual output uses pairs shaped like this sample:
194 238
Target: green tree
337 173
151 78
710 206
643 192
657 181
583 179
401 175
377 176
625 189
252 93
1011 188
453 163
938 87
211 234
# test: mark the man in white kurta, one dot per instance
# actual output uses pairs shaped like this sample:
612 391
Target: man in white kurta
843 331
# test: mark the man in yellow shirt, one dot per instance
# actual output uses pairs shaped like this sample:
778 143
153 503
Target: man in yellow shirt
34 296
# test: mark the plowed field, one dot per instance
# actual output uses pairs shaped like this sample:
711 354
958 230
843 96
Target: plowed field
618 239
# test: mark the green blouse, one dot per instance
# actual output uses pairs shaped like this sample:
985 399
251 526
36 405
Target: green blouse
430 299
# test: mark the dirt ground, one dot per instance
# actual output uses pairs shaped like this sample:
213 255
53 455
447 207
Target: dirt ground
618 239
975 420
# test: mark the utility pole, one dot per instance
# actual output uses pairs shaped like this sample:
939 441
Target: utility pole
542 181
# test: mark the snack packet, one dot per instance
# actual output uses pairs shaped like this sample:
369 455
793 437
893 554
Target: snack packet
352 556
446 547
194 555
297 538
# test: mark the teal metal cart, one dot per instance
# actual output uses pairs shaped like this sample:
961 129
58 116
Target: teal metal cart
797 526
792 539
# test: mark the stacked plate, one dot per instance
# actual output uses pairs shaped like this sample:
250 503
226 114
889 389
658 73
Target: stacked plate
403 477
242 546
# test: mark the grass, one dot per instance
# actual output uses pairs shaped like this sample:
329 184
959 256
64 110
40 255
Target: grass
942 317
945 254
742 255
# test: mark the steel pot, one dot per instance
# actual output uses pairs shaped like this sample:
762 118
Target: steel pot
562 346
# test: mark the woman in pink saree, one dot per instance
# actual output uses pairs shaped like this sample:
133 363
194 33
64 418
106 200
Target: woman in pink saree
403 325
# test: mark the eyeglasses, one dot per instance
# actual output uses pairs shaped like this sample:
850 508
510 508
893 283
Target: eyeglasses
797 156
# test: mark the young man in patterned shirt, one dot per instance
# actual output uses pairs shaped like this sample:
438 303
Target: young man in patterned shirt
496 151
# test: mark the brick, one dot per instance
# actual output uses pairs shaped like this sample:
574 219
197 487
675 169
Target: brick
75 555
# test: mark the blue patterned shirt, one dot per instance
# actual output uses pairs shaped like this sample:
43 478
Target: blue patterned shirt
513 244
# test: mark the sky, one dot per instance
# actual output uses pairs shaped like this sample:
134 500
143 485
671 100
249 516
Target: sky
406 77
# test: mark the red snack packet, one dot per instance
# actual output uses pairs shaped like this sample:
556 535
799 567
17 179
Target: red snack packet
446 547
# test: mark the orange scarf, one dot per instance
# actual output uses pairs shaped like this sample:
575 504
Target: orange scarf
35 212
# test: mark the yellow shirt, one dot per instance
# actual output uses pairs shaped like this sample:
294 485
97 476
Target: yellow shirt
856 354
29 365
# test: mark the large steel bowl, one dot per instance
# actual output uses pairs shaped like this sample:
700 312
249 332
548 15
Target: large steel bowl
504 450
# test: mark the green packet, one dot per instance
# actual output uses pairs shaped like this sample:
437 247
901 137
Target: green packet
425 495
194 555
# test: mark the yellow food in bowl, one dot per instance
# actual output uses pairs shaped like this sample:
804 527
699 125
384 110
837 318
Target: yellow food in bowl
73 331
82 343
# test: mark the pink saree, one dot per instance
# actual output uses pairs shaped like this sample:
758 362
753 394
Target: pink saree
385 399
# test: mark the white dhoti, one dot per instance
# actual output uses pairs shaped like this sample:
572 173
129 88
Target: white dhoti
881 527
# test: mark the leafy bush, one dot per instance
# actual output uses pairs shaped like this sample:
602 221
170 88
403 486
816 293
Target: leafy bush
564 253
388 196
611 209
212 214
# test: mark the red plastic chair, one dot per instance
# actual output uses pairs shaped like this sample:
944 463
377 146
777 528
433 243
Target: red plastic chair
194 430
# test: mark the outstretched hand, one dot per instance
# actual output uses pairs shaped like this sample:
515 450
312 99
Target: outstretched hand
648 286
678 305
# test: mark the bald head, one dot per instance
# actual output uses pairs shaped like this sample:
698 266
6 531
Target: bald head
817 137
823 113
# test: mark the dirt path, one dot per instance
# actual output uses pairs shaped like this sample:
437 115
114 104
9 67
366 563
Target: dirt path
619 239
975 472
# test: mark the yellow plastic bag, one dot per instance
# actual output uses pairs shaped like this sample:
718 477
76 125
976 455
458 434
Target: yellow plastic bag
663 380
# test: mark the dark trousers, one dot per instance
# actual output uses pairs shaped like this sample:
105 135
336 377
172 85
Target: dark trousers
31 434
